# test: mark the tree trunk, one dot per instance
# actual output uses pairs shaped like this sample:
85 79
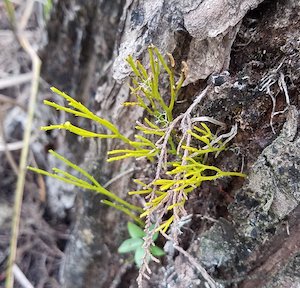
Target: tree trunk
254 239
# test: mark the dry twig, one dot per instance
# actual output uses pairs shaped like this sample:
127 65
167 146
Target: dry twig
267 82
36 64
160 210
211 282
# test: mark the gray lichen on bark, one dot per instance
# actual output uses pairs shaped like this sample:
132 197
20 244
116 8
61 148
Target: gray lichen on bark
273 183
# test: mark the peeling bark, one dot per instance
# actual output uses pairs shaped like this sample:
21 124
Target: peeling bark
212 26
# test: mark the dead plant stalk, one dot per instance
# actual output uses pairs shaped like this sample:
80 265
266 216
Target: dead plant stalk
36 65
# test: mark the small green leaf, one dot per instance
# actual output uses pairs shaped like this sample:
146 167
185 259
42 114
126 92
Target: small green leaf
138 256
131 244
155 236
135 231
156 251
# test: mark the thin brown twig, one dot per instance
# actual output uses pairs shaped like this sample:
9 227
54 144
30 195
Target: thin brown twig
160 209
148 241
164 146
186 125
36 65
210 281
120 175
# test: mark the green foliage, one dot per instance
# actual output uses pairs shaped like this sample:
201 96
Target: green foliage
47 7
136 242
184 178
179 150
135 231
146 86
90 184
143 147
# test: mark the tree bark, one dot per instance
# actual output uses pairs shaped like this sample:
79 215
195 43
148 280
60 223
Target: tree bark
88 41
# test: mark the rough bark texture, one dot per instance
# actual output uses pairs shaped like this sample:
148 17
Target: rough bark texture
255 240
76 60
209 26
